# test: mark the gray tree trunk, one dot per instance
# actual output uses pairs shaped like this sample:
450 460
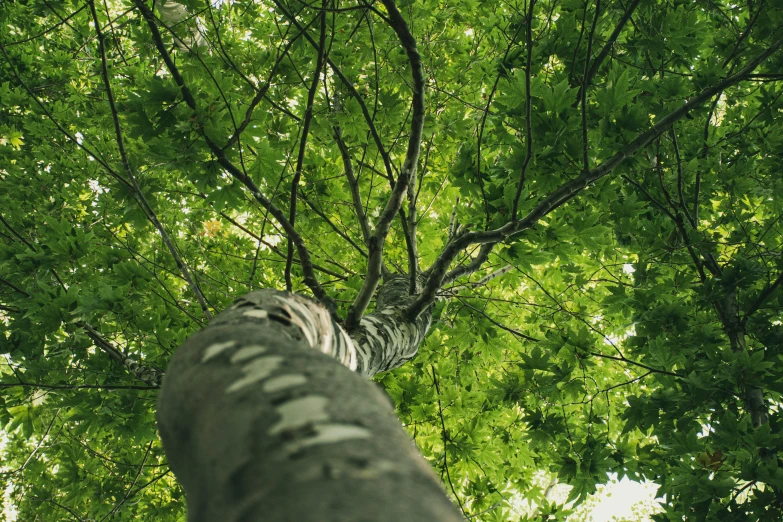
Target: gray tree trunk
262 417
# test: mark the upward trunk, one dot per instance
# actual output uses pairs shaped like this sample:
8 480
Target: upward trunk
263 419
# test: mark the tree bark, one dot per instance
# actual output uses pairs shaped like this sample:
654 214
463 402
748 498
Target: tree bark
262 418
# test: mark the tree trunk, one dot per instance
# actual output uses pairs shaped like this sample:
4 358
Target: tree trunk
262 418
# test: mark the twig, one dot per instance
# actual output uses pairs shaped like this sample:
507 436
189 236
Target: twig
762 298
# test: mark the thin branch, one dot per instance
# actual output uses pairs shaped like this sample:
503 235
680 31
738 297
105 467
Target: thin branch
494 275
445 439
608 45
64 508
308 118
583 90
634 363
762 298
485 114
351 89
267 244
67 134
353 185
331 224
144 373
481 282
260 93
40 386
304 255
513 332
528 110
62 21
151 215
680 190
132 484
13 286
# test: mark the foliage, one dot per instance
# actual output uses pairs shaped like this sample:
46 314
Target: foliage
628 336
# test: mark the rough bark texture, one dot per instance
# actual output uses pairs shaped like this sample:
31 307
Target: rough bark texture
386 339
259 423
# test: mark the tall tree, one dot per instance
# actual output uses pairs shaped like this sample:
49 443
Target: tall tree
550 230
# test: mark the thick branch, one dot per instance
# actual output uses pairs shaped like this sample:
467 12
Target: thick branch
570 189
407 173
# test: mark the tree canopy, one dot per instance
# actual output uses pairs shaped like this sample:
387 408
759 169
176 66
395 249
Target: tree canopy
594 207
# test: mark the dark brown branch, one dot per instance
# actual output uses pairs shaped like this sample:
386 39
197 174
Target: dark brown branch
482 124
762 298
445 442
680 189
127 495
634 363
308 118
331 224
60 128
368 118
63 21
528 110
260 94
407 172
353 185
513 332
608 45
270 246
144 373
352 91
583 89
